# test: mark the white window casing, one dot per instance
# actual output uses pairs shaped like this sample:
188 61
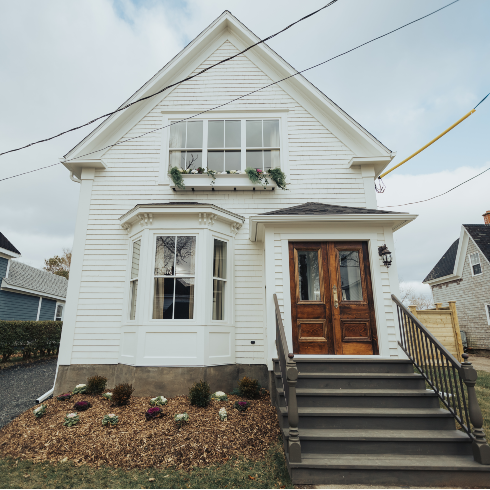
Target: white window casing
59 312
475 264
487 311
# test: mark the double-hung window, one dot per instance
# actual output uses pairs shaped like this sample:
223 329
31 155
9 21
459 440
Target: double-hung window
59 312
225 144
174 277
135 269
219 279
475 264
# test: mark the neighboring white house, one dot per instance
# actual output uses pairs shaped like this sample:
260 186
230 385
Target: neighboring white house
168 286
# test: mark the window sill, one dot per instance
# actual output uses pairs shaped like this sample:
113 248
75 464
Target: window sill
223 182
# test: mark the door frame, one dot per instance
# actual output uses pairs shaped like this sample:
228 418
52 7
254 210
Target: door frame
358 235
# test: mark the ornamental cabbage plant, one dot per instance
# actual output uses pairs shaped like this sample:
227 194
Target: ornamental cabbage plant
158 401
223 416
110 419
81 388
181 418
39 411
71 419
108 396
220 396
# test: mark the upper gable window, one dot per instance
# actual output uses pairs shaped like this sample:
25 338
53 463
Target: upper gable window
225 144
475 264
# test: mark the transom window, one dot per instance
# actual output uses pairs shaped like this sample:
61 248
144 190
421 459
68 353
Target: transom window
225 144
174 277
475 264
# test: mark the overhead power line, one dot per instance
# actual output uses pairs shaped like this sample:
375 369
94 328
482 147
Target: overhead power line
237 98
124 107
439 195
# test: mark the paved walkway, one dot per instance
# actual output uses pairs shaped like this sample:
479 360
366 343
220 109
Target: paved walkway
21 385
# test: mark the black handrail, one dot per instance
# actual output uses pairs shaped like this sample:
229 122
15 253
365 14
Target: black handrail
289 377
446 376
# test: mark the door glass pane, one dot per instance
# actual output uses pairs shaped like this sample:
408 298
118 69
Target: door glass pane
219 262
309 276
232 134
163 298
216 134
254 159
177 135
194 134
135 263
218 299
271 134
254 134
350 275
184 298
233 160
134 295
216 160
164 256
185 255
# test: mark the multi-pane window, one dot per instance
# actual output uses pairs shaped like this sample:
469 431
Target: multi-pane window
225 144
174 277
135 268
219 279
263 144
59 313
475 263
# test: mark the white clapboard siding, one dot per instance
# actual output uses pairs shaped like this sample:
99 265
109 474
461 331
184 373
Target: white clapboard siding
318 172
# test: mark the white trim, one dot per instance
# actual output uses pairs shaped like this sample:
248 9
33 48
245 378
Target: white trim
7 254
378 163
7 270
487 311
39 308
368 176
471 265
75 167
62 311
32 292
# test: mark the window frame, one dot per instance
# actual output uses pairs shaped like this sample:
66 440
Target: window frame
62 312
487 311
278 114
471 265
131 280
226 280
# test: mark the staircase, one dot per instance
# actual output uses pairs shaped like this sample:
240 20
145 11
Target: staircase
373 422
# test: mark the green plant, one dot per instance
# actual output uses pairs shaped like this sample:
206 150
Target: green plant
121 394
80 389
199 394
212 174
71 419
249 388
242 406
278 176
39 411
29 337
158 401
96 385
219 396
110 419
181 418
176 176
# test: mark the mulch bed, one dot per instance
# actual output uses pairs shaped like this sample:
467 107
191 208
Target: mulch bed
135 443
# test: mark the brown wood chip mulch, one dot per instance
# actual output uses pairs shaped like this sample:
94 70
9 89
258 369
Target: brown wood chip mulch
135 443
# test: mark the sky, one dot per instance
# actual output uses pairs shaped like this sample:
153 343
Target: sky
64 62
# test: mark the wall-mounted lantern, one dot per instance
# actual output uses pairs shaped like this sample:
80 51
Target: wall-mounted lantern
385 254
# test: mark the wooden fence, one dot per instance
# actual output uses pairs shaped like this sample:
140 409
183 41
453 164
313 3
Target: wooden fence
443 323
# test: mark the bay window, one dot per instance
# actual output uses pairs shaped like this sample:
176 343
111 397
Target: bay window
219 279
135 267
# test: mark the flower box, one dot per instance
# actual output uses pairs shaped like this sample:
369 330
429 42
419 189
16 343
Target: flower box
222 182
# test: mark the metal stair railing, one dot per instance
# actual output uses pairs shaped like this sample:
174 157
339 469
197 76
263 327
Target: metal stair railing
289 377
452 381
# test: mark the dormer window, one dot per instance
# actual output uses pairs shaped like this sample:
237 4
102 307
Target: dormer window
475 264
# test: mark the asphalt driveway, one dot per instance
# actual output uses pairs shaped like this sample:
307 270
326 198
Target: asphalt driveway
21 385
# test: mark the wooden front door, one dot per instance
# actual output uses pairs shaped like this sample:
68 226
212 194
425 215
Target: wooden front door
332 305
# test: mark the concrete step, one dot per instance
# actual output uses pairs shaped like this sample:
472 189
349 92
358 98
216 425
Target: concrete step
373 441
309 397
371 418
396 381
390 470
352 365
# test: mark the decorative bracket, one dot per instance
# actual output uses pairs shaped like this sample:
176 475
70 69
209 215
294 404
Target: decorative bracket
145 218
207 219
235 227
127 227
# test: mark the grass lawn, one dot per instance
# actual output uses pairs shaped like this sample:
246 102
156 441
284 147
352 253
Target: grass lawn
235 473
482 389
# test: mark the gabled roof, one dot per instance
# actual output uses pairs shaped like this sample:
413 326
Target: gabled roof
445 266
317 208
450 265
36 281
6 245
226 26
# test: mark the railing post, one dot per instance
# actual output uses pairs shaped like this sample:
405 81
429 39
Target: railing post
481 450
293 418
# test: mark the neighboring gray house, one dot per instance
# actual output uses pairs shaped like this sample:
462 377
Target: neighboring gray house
463 275
27 293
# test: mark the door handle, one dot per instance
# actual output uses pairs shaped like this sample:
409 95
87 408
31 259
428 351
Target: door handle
335 299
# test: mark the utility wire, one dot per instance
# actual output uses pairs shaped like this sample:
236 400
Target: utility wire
435 197
241 97
122 108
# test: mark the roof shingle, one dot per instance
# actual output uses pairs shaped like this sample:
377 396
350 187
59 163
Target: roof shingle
481 236
5 244
445 266
318 208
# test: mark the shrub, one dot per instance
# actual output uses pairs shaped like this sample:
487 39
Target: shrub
199 394
96 385
121 394
153 413
29 337
249 388
81 406
242 406
63 397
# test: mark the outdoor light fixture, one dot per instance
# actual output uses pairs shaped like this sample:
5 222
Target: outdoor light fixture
385 254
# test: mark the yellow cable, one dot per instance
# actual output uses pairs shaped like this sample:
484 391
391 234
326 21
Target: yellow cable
428 144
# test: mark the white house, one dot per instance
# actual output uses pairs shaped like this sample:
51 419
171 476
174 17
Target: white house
168 285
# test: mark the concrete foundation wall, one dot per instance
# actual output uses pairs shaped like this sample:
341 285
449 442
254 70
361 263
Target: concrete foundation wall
166 381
